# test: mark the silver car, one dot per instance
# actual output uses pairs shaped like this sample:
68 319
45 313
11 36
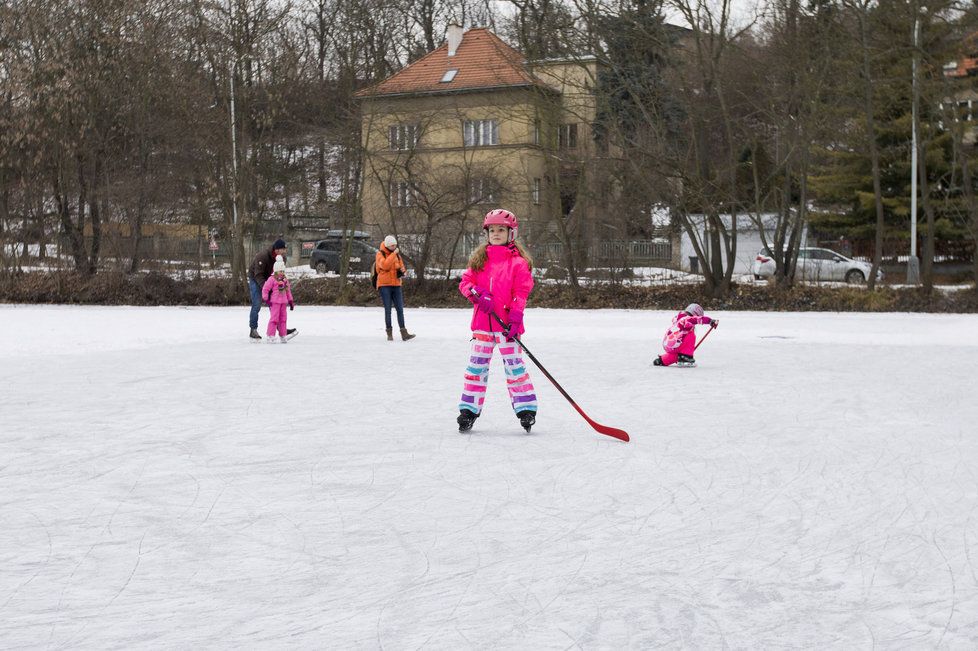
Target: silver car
818 264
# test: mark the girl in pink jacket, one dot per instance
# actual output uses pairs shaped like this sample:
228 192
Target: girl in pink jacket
498 281
277 292
679 341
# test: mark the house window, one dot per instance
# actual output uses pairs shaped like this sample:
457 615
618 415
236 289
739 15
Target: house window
402 193
479 133
482 190
964 110
567 136
449 75
404 136
536 132
536 191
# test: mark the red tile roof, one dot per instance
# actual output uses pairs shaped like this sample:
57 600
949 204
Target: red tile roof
966 65
483 60
964 68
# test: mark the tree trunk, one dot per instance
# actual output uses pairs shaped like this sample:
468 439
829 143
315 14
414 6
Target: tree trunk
973 211
75 239
321 194
42 235
927 268
570 260
95 213
136 236
421 264
451 256
873 152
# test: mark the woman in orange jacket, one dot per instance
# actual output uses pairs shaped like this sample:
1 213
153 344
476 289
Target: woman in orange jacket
390 269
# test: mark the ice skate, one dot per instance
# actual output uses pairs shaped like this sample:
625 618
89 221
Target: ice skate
290 333
657 361
686 361
527 419
270 339
466 419
284 339
254 334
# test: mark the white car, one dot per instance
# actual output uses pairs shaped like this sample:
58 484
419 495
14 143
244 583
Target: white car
818 264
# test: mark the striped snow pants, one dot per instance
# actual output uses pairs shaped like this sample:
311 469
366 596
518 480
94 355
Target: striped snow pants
521 393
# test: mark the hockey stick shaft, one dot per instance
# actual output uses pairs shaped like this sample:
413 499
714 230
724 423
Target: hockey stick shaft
614 432
703 339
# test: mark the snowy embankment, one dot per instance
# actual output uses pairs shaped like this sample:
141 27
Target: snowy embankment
164 483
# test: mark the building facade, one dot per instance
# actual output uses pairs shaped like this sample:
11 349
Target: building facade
473 126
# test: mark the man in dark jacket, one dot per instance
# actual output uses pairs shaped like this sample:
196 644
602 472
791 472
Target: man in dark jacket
258 273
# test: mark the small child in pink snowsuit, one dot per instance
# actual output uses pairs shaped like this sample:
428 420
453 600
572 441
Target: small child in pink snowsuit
498 282
277 292
679 341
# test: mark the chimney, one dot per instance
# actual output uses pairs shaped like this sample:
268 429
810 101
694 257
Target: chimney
454 36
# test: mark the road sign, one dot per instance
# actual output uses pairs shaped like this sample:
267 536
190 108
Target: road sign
213 245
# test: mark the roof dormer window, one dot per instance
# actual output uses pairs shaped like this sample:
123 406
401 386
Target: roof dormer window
449 75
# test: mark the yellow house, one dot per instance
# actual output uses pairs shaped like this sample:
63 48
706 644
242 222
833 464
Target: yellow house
473 126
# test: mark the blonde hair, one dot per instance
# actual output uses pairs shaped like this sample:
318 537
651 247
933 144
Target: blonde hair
477 261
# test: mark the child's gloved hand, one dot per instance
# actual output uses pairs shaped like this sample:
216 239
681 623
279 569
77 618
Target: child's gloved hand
714 323
482 299
515 328
291 306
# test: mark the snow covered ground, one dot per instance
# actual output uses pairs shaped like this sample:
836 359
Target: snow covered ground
164 483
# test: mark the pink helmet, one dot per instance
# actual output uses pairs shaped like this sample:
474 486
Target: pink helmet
504 218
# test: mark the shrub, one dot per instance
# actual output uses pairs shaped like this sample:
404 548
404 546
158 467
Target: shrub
113 288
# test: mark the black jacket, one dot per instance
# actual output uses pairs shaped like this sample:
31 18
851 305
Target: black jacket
261 266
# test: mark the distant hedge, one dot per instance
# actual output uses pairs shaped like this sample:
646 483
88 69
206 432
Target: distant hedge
109 288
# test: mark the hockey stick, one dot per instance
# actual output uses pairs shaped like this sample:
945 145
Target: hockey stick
704 338
614 432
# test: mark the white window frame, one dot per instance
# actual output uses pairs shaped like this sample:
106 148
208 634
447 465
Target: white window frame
965 110
567 136
480 133
483 190
403 137
402 194
537 185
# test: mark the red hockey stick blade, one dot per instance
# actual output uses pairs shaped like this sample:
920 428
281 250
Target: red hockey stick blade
613 432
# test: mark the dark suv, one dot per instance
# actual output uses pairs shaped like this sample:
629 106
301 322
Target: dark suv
326 256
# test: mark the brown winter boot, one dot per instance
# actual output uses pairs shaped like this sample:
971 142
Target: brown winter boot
390 334
405 335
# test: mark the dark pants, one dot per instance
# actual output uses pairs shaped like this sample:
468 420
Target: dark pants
393 295
255 302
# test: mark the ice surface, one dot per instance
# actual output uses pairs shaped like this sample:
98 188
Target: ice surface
165 483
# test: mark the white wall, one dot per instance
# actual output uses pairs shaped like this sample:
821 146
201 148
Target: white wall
748 243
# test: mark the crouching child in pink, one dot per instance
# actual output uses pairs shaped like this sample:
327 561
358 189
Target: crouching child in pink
277 292
679 341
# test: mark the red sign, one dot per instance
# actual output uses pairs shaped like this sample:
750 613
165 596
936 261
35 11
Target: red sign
308 246
213 245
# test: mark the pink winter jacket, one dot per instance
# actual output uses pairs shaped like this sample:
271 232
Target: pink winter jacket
682 323
507 277
276 291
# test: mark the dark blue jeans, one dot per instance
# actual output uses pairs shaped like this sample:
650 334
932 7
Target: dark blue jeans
393 295
255 302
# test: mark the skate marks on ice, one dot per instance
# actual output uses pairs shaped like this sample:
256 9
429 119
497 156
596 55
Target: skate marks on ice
813 505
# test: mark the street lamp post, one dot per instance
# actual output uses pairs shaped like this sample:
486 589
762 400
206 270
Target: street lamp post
913 263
